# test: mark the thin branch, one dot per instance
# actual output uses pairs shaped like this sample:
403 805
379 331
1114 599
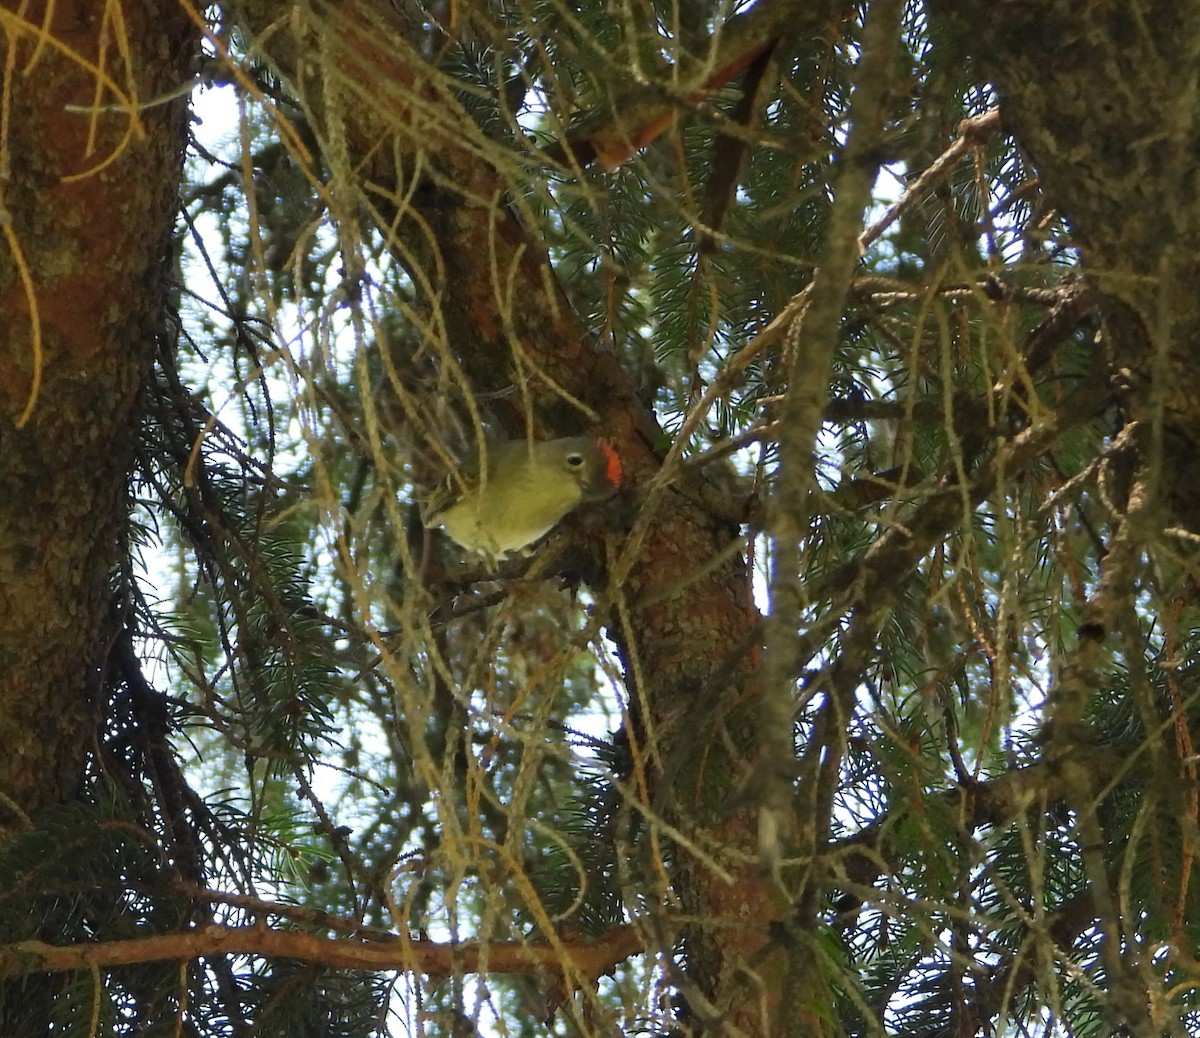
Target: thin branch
972 133
811 342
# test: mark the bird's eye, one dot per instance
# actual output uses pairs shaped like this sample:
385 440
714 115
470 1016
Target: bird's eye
575 460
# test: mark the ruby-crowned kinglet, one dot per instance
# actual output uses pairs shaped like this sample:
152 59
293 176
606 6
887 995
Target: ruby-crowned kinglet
529 487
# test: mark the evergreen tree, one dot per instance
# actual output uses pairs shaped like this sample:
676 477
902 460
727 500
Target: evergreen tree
863 707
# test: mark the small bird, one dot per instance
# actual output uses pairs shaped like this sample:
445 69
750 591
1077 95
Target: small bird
530 486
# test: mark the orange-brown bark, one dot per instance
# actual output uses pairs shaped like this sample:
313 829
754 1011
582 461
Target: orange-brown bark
89 194
585 960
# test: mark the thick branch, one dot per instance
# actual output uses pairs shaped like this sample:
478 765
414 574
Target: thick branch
637 116
1113 139
580 959
996 802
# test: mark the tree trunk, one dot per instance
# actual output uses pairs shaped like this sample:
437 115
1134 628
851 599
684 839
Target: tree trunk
686 628
1114 139
91 161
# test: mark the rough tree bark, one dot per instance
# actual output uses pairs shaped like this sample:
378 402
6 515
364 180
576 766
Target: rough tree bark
89 183
1103 97
89 191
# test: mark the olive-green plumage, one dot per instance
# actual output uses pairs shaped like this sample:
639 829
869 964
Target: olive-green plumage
529 487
